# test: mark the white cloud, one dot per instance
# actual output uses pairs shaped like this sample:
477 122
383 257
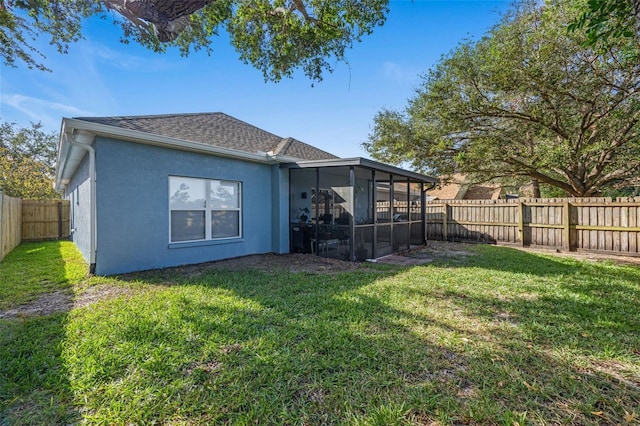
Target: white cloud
38 110
398 74
123 61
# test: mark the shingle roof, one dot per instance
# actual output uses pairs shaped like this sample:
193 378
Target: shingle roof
457 188
449 190
483 192
294 148
216 129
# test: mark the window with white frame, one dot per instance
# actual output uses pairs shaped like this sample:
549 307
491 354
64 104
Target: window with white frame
203 209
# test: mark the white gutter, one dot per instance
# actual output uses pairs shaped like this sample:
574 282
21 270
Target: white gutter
282 158
83 139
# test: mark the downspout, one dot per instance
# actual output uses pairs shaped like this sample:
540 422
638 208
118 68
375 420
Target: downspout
431 186
83 140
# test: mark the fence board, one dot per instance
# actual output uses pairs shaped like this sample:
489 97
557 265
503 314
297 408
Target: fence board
632 223
45 219
624 222
592 224
10 223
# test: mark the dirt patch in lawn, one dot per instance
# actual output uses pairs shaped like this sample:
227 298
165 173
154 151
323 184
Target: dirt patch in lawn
312 264
294 262
49 303
64 301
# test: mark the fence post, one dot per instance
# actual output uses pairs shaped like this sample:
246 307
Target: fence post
521 222
445 219
566 219
59 220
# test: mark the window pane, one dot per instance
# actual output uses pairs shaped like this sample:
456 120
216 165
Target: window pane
364 242
417 235
225 224
186 193
225 195
400 204
383 242
415 200
363 195
383 198
400 236
187 225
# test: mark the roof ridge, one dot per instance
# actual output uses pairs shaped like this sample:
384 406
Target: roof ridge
313 146
249 124
136 117
283 145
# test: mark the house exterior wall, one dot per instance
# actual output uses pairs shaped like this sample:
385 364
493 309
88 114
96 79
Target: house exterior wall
133 206
78 192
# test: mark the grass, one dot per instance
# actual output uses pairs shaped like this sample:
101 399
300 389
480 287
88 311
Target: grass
501 337
37 268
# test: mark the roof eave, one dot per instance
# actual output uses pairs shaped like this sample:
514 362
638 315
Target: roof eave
69 125
362 162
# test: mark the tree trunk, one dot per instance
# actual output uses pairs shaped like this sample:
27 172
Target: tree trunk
535 185
170 17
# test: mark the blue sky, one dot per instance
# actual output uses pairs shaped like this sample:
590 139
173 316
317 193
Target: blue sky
102 77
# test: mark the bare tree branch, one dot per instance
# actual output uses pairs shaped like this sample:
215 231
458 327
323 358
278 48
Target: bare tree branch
166 18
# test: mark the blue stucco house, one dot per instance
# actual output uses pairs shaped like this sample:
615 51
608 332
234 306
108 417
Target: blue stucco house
156 191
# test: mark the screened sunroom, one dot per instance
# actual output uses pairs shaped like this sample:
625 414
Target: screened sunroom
355 209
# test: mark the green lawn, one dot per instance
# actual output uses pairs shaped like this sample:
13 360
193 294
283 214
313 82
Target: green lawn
501 337
37 268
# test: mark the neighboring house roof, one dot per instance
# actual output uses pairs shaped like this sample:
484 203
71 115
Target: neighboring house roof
449 191
483 192
459 189
446 192
215 129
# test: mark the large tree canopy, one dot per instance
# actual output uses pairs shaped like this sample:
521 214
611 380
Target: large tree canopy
528 100
275 36
605 20
27 161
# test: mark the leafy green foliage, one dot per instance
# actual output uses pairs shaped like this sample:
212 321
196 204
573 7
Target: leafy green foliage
528 100
59 18
27 162
305 33
275 36
608 20
496 337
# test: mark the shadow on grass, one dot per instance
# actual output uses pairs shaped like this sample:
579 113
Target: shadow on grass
34 386
245 347
560 335
502 337
592 306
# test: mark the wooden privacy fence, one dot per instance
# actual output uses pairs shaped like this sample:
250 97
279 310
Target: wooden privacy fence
45 219
10 224
590 224
31 220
